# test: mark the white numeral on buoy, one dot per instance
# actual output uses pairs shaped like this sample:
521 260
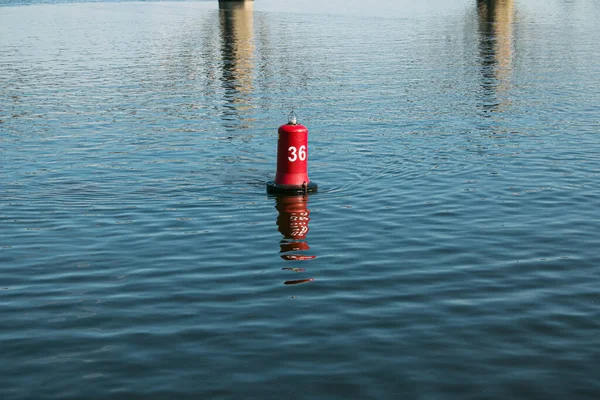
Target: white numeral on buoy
302 153
297 154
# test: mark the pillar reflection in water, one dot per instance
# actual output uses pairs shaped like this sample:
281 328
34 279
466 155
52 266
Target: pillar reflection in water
292 222
237 50
496 49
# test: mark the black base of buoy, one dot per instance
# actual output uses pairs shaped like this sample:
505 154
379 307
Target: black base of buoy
274 188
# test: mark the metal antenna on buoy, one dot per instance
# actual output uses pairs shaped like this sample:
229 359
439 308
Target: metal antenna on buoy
292 118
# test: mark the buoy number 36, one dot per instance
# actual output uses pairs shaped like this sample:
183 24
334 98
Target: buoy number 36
295 154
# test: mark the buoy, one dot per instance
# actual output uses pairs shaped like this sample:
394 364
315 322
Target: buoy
291 177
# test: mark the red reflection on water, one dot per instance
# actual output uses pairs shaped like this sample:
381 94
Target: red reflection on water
297 281
293 217
296 257
292 223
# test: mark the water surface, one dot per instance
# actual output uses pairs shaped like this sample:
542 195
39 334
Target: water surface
453 244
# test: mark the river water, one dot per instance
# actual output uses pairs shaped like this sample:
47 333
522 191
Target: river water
453 244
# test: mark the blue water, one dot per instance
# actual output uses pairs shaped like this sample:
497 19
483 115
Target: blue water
453 244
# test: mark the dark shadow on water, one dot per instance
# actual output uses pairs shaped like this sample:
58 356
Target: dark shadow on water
495 18
292 222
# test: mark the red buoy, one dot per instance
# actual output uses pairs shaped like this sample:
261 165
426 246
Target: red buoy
292 161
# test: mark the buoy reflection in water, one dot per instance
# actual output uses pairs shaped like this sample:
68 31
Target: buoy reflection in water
292 222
